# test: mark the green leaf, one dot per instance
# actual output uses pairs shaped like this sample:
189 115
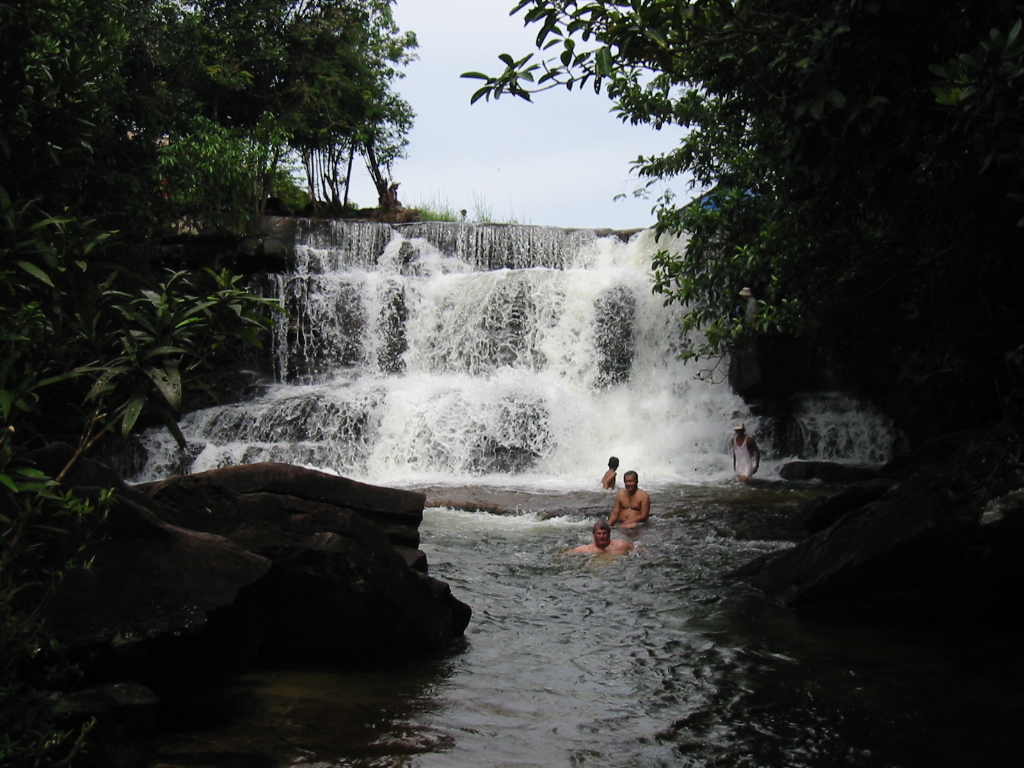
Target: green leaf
36 272
656 36
835 98
168 381
32 472
165 350
172 426
131 415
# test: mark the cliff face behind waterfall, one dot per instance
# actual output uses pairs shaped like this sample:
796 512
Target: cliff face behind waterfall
472 351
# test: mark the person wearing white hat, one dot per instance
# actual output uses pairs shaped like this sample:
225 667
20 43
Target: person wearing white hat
746 456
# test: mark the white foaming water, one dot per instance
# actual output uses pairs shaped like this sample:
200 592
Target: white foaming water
463 522
518 356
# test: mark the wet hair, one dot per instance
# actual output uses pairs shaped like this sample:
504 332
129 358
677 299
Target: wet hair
602 525
630 472
613 463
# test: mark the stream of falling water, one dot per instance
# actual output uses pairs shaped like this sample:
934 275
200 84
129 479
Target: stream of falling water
489 355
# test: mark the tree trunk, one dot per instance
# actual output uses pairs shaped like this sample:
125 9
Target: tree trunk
387 192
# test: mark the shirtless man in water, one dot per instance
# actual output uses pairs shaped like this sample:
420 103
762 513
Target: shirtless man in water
603 543
632 505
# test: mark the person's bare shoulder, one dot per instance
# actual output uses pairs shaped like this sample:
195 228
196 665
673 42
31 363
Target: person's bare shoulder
583 549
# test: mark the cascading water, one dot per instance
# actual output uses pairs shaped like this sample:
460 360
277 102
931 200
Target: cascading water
836 425
476 354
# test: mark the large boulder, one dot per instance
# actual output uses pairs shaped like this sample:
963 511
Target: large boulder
202 574
150 583
825 511
920 547
340 585
301 491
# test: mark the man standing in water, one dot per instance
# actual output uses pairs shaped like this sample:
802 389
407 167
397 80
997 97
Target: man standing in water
603 543
746 456
632 505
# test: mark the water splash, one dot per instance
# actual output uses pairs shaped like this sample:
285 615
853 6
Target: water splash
473 353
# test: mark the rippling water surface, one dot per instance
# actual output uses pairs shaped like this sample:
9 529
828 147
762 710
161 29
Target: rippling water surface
641 660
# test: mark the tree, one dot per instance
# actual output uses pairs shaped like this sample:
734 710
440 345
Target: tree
859 163
347 60
271 77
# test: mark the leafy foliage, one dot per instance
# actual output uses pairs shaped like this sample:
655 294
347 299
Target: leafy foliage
95 339
860 163
121 121
260 79
112 355
184 114
35 512
213 176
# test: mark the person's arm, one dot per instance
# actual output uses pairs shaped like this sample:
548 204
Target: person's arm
617 509
645 508
755 455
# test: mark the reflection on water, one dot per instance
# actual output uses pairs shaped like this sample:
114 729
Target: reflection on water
641 660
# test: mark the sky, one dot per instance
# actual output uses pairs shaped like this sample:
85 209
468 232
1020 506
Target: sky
558 161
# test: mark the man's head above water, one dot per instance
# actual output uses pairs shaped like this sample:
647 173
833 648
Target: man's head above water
602 534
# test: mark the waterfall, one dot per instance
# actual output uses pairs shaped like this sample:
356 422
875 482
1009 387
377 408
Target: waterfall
472 354
837 426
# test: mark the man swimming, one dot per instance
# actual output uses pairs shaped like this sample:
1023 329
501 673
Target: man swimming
632 505
603 543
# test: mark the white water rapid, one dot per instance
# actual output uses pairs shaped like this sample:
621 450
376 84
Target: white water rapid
486 354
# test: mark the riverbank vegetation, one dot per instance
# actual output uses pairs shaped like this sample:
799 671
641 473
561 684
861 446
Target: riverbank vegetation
122 122
438 208
858 163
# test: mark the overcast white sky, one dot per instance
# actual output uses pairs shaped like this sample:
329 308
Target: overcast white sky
558 161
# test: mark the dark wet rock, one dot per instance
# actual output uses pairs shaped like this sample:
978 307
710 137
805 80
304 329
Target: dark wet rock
933 451
125 716
203 574
826 471
149 579
295 491
825 511
933 545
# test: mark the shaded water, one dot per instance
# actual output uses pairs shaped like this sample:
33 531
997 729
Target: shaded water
641 660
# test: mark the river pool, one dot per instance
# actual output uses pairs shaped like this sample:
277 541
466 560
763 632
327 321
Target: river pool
643 660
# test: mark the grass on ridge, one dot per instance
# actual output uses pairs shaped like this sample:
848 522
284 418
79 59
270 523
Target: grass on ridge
437 208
